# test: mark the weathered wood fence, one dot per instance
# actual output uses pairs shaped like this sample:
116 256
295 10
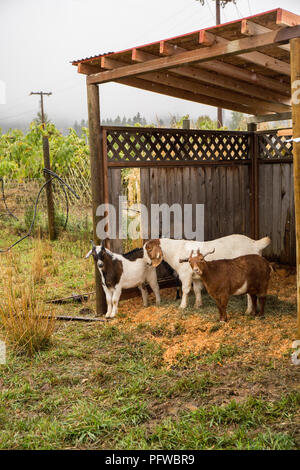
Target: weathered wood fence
244 179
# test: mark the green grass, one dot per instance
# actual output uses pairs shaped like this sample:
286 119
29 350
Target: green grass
100 386
112 391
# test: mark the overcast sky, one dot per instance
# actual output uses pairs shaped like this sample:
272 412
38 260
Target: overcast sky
39 38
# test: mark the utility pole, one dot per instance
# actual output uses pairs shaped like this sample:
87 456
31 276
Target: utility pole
219 3
46 153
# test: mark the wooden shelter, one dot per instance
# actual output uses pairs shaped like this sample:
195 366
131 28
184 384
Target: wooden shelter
245 66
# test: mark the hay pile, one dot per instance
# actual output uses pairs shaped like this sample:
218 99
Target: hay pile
192 332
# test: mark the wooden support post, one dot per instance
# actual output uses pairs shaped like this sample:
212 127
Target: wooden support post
218 21
97 178
186 124
46 154
49 192
295 81
252 127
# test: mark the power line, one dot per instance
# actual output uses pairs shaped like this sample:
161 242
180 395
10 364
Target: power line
14 116
219 3
205 19
250 11
162 22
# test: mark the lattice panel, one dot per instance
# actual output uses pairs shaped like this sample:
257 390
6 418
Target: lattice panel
169 145
272 146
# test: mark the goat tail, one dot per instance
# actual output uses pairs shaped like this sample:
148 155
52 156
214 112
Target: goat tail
263 243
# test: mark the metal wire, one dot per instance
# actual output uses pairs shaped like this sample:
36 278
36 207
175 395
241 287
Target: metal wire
62 183
4 200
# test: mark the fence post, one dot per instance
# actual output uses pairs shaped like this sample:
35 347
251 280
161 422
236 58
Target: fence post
295 74
252 127
186 124
97 178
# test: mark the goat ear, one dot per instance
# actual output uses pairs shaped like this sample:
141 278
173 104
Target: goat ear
183 260
157 257
88 254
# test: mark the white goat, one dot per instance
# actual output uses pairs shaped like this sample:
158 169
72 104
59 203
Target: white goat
119 273
172 251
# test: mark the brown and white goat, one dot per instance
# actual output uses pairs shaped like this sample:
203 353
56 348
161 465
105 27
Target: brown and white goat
222 278
120 272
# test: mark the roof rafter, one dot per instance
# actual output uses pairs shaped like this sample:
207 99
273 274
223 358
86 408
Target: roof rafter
249 28
257 58
172 81
230 70
217 80
183 94
235 47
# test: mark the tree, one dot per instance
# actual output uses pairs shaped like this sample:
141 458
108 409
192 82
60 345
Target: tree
238 121
38 119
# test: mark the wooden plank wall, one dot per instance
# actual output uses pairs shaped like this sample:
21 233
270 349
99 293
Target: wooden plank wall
276 210
224 190
115 189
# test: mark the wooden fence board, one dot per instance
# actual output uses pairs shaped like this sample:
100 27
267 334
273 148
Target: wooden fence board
115 189
276 210
223 186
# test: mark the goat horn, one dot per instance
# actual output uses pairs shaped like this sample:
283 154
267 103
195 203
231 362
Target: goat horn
209 253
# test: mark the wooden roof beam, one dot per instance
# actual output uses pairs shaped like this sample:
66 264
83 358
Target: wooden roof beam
248 28
225 72
213 92
224 82
257 58
140 56
166 79
234 85
248 76
184 94
229 70
286 18
270 118
200 88
88 69
236 47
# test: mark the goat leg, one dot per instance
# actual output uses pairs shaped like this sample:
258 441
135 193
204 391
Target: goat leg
144 293
222 304
254 304
262 301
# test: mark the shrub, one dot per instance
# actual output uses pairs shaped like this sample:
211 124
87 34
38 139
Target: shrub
28 326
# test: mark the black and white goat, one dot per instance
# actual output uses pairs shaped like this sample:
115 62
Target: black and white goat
163 270
118 272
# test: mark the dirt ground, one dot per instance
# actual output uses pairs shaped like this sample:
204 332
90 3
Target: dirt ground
192 332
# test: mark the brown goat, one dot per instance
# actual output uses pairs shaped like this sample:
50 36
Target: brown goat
222 278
